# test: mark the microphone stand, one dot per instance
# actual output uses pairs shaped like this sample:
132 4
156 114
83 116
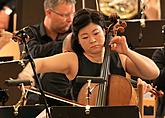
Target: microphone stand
24 36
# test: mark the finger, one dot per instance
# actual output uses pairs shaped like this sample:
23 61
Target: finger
115 39
139 81
1 31
114 45
149 87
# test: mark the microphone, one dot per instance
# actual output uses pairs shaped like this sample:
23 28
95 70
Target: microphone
20 35
18 82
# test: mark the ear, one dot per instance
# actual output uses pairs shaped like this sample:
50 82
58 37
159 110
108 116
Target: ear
47 12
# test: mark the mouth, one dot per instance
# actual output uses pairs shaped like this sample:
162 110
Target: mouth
95 46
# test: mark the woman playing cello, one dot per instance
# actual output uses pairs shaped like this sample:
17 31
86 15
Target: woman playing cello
88 40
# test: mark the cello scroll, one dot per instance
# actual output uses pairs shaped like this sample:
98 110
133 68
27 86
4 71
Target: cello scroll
117 26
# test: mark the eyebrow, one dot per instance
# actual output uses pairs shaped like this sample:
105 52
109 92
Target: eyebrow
84 34
87 33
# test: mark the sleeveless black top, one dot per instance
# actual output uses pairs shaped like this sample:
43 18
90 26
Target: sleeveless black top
88 68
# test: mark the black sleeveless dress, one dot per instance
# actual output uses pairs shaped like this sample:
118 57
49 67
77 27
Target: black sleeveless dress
88 68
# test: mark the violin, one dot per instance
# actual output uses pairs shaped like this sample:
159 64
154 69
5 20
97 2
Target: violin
7 49
152 89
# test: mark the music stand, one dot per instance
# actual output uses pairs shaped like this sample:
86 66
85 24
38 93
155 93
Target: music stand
23 111
6 58
10 69
95 112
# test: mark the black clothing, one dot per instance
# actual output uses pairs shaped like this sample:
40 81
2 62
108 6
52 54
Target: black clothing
159 58
88 68
57 84
41 45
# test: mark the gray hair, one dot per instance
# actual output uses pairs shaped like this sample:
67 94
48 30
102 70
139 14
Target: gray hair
53 3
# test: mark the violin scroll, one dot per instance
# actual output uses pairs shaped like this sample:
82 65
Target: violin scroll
114 18
149 87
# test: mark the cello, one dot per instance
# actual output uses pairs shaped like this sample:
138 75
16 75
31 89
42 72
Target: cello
116 90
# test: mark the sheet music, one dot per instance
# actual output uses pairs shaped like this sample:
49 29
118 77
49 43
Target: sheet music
43 114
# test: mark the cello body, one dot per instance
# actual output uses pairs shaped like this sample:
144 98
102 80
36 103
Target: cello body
120 93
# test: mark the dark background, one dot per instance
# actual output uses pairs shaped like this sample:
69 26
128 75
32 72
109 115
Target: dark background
31 11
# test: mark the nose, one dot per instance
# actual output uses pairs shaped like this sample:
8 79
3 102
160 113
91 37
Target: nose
69 18
92 39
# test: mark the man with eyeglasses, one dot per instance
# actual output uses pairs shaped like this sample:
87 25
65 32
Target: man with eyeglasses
46 39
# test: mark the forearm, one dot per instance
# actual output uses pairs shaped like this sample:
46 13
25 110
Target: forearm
28 72
142 66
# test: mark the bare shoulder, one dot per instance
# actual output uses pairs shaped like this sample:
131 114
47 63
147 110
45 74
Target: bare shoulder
64 58
67 57
68 54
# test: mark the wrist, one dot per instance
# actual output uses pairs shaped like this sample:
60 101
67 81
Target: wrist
128 52
28 74
28 69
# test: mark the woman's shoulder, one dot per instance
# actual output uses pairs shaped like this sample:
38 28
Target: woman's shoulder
69 53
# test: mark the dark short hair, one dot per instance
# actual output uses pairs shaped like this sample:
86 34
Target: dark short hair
82 18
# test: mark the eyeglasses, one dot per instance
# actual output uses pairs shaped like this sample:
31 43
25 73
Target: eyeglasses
62 15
